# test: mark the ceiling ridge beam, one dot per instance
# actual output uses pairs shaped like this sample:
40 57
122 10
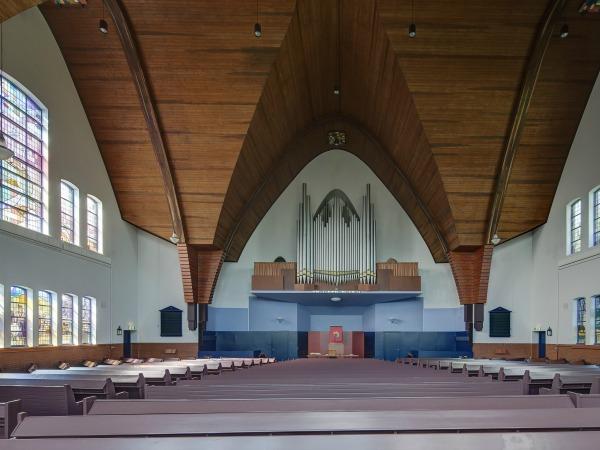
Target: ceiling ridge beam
534 63
121 22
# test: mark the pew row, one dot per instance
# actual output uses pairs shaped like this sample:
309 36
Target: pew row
230 424
583 440
8 417
184 406
43 400
82 387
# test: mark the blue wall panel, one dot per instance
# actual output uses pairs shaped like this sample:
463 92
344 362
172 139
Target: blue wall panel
429 332
227 319
443 319
406 315
268 315
320 322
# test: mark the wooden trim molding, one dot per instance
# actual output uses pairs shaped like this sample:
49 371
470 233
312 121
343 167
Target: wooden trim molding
18 359
130 49
471 271
530 77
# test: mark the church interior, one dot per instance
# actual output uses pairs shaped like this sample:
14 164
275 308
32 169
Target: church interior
293 223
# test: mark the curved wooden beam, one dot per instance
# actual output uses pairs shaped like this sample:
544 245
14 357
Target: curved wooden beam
123 29
552 15
279 167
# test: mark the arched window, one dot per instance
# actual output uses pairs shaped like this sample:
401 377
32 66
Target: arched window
45 325
18 316
597 319
69 213
23 178
574 227
595 217
94 224
88 320
580 304
67 329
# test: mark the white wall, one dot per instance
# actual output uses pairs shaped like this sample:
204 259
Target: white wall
557 278
397 237
532 275
159 285
32 57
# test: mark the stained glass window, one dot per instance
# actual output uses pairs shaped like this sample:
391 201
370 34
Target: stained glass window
575 226
597 319
596 217
580 320
67 212
67 319
22 177
18 317
44 318
87 320
94 213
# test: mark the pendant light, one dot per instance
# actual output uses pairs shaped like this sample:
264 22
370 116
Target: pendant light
103 24
412 28
5 152
257 26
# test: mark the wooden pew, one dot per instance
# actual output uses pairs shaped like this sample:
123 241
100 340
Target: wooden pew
102 388
132 384
322 422
585 400
8 417
439 389
174 406
158 376
557 440
43 400
561 384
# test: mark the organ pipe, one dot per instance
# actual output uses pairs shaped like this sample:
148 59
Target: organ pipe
336 245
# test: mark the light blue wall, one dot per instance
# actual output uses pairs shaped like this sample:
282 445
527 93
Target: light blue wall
264 315
303 318
443 319
407 315
227 319
322 322
369 319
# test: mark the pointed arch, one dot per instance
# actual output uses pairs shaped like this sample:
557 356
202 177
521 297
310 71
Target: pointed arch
309 144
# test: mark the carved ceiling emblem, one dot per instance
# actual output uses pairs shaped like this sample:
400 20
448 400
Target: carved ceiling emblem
337 138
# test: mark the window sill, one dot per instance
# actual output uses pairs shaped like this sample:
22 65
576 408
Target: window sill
43 240
583 256
44 348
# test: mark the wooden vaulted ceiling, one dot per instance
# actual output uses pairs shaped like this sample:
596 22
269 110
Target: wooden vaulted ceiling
9 8
233 110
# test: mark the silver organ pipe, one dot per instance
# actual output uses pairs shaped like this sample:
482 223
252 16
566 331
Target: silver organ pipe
336 245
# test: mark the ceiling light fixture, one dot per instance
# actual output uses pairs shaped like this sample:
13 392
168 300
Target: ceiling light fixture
257 26
412 28
564 31
5 152
336 90
336 299
496 239
103 24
